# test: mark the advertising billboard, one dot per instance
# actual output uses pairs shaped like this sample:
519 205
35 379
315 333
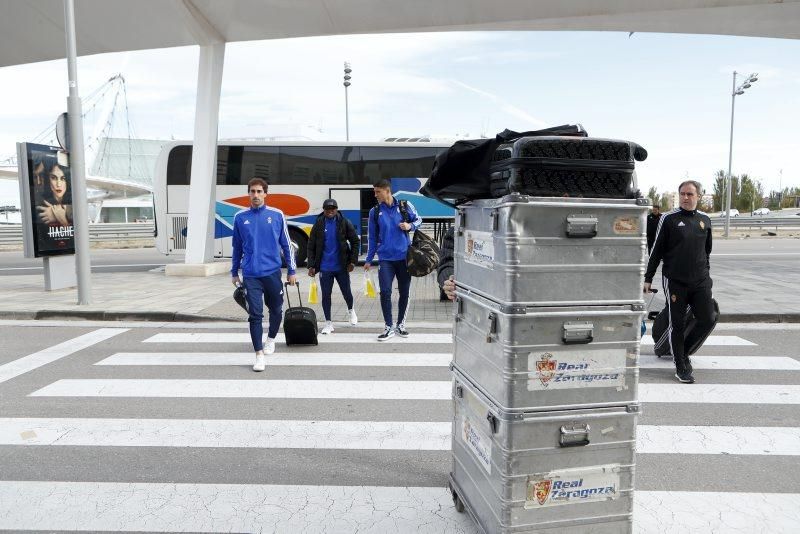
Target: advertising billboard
46 200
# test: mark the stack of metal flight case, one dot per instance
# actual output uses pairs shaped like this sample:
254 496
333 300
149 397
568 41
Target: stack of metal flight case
547 328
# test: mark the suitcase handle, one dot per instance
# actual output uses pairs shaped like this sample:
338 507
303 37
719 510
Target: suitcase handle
299 297
576 436
577 333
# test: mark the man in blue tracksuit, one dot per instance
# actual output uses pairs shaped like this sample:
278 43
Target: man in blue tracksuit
259 236
388 235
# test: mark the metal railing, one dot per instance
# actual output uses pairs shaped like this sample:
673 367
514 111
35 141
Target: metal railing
760 222
11 234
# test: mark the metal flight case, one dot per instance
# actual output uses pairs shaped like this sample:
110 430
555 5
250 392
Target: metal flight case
540 358
568 471
541 251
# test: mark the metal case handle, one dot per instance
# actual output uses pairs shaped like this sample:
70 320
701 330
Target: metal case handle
574 436
492 327
578 333
581 226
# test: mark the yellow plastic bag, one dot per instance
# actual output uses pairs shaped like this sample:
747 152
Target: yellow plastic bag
313 292
369 286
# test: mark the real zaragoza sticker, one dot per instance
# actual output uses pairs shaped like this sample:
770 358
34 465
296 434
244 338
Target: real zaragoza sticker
572 486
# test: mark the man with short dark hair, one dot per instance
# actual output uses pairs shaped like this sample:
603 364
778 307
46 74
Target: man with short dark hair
260 235
683 242
388 236
333 253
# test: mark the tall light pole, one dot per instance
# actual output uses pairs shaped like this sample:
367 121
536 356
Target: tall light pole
734 92
347 71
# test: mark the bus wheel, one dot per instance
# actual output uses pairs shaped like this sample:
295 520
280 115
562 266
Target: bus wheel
299 243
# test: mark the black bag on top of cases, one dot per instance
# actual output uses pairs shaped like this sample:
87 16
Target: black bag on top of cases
422 257
461 173
299 322
557 166
693 338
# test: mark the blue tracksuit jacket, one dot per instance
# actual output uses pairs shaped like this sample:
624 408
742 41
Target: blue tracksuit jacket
259 235
392 242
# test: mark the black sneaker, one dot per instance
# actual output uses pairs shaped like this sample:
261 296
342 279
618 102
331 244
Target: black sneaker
401 330
685 377
387 333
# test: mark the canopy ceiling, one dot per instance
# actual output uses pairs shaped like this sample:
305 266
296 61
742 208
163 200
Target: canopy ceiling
33 30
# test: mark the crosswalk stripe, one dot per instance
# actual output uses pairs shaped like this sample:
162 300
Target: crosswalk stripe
395 359
720 393
167 507
432 436
358 359
727 363
385 389
715 512
355 338
33 361
717 440
713 341
272 389
384 435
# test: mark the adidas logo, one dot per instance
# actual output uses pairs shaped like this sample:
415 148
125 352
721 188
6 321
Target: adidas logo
681 224
247 222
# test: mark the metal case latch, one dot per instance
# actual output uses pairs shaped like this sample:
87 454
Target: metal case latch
492 327
574 436
578 333
581 226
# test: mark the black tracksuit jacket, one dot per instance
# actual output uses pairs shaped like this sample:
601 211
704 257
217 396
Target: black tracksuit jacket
345 233
683 242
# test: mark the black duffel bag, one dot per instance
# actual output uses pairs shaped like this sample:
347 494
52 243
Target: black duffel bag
461 173
422 257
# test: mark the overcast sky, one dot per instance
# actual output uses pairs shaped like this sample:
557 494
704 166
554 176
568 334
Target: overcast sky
669 93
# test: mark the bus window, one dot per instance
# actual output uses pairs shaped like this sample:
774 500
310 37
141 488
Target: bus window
392 162
315 165
259 162
179 165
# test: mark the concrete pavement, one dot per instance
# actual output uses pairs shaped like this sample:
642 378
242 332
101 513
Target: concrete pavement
754 280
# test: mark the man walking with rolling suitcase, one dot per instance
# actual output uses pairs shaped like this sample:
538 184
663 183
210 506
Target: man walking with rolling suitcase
333 253
259 236
388 227
683 242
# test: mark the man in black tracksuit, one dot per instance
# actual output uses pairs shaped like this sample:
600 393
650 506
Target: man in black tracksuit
444 271
683 242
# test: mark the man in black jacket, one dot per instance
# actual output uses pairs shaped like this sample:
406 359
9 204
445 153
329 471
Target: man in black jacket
333 253
652 224
445 269
683 242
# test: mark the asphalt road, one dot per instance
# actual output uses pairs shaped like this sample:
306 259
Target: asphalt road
103 260
181 431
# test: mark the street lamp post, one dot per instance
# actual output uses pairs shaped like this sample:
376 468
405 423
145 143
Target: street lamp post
347 71
734 92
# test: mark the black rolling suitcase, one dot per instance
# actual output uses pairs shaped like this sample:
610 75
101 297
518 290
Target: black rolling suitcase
555 166
299 322
693 339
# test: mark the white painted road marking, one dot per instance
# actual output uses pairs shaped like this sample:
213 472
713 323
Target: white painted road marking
717 440
95 506
56 352
385 389
301 434
351 338
713 341
268 389
434 436
358 359
728 363
755 394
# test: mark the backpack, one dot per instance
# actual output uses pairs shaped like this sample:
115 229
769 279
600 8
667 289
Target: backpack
462 171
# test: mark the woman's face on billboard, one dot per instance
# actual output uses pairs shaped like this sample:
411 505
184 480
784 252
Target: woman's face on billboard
58 183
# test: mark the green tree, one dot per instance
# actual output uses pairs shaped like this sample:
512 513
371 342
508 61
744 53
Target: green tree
750 194
655 197
718 191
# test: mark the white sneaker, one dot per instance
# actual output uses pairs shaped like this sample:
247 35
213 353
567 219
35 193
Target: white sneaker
353 318
387 333
261 362
328 328
270 347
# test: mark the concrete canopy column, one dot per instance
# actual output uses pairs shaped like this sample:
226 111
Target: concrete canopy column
202 185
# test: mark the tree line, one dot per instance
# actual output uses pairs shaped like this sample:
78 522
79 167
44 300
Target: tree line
747 194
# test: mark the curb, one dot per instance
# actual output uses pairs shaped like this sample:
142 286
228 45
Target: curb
156 316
